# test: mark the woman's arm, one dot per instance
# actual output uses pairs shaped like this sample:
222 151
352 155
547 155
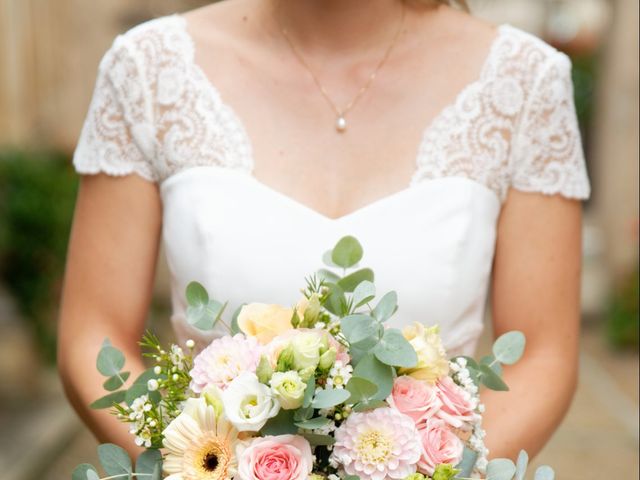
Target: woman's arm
107 289
536 289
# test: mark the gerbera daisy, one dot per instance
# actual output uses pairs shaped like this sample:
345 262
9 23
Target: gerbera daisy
200 445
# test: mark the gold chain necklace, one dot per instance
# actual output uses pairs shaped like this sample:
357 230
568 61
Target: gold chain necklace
341 122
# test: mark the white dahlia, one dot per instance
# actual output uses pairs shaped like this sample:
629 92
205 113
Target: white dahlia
223 360
200 444
377 445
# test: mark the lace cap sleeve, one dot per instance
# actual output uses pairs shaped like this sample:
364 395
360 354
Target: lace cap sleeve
118 136
548 155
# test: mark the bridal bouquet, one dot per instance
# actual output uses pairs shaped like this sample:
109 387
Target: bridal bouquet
321 390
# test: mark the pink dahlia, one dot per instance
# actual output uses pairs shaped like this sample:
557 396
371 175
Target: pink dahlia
223 360
378 444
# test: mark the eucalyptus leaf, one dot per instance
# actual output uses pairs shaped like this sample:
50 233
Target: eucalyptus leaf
235 328
336 301
369 405
313 423
471 362
521 465
92 475
316 439
469 458
330 398
114 460
386 306
110 361
326 259
309 391
508 348
491 380
196 294
351 281
491 362
109 401
393 349
303 414
281 424
545 472
328 276
361 390
115 382
363 293
347 252
81 472
372 369
149 463
500 469
357 328
205 316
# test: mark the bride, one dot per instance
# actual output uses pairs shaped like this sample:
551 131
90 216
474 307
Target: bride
249 135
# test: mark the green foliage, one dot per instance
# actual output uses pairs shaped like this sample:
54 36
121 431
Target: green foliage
202 312
116 464
37 196
623 319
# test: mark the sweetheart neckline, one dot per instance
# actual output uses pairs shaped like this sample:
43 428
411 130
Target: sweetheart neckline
248 149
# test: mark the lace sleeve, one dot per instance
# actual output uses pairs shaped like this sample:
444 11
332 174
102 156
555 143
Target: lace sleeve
547 155
118 136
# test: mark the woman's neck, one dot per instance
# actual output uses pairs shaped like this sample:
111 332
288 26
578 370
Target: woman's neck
338 25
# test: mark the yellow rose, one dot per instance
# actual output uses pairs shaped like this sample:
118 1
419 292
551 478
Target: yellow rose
432 358
264 322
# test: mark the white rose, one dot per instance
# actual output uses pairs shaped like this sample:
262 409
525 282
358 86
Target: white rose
306 350
289 389
248 403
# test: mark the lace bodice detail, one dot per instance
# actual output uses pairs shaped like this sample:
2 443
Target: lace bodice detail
155 113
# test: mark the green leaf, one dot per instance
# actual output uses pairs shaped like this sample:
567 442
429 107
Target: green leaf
521 465
303 414
544 472
351 281
386 306
471 362
500 469
361 390
281 424
91 475
509 347
326 259
81 472
150 463
358 328
330 398
110 361
316 439
363 293
469 458
109 401
314 423
490 361
114 460
196 294
309 391
369 405
116 381
235 328
372 369
205 316
336 301
490 380
347 252
395 350
328 276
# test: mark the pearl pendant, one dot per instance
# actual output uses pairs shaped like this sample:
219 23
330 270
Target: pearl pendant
341 124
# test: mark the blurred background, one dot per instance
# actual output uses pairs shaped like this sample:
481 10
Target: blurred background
49 52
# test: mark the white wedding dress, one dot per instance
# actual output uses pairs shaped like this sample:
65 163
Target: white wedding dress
155 114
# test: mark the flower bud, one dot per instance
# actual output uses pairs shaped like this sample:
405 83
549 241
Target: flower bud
264 370
327 359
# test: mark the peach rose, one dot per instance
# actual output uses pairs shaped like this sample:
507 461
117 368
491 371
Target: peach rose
432 358
439 445
264 322
457 405
284 457
414 398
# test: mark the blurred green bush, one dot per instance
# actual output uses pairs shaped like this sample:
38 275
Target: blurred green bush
623 319
37 196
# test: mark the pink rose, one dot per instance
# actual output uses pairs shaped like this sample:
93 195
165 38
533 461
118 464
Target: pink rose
414 398
285 457
439 445
457 404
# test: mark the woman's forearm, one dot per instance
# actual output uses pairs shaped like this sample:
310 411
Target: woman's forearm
540 393
83 385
